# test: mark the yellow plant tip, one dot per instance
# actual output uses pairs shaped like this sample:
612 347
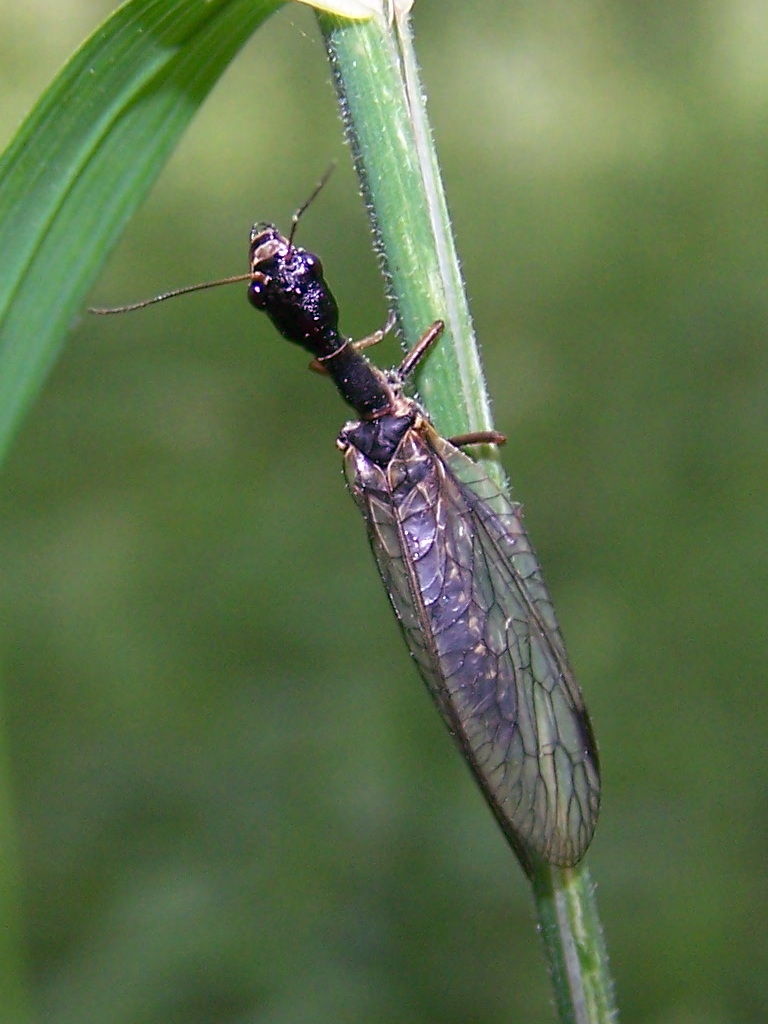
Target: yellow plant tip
348 8
401 8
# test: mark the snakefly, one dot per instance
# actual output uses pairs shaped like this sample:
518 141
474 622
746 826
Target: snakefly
460 571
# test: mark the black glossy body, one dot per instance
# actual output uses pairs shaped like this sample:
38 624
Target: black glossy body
288 285
461 574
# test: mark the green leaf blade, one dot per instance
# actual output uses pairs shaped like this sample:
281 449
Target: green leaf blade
86 157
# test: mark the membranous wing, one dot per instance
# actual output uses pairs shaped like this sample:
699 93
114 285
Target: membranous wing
467 588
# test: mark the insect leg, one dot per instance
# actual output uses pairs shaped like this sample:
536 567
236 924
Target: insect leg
377 336
478 437
371 339
420 349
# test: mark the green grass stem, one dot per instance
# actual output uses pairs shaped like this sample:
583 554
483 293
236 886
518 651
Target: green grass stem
382 103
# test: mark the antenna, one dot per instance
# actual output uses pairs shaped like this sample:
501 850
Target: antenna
107 311
308 202
131 306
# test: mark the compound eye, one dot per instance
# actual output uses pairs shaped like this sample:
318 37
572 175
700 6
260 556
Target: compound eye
257 294
313 264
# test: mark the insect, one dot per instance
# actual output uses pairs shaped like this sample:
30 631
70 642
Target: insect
460 572
457 564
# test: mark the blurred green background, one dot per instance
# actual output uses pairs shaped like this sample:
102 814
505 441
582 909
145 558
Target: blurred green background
235 801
